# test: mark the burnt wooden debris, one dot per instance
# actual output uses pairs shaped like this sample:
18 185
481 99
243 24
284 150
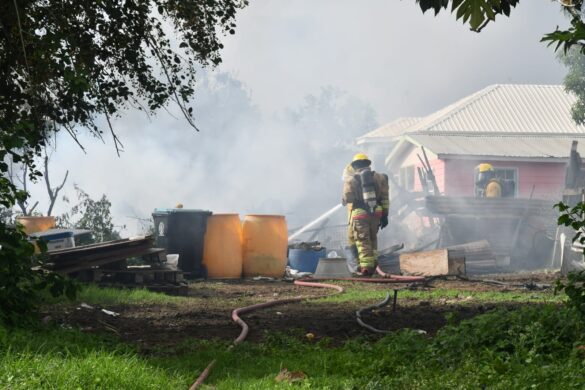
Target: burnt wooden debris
107 264
513 233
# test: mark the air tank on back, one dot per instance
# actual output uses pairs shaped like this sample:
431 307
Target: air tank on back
222 250
265 240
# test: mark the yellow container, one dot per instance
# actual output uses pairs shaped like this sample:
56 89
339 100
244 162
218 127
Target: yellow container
222 248
265 240
36 224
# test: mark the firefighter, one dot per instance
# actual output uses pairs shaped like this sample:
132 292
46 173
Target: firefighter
487 184
367 192
348 173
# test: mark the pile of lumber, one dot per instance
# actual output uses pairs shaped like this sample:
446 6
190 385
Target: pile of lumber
106 263
69 260
479 256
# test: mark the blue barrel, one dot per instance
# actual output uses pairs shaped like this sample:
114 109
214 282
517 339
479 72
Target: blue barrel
305 260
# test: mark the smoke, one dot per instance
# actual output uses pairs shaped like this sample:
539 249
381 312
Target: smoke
240 161
272 138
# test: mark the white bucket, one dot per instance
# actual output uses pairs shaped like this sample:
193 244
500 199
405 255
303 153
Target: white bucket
172 261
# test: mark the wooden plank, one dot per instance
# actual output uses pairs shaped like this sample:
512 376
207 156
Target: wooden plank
432 263
101 246
73 267
476 250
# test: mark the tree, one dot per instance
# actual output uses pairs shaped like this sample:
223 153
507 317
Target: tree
63 63
575 82
18 176
90 214
479 13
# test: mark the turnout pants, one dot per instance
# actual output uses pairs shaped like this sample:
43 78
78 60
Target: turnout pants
365 230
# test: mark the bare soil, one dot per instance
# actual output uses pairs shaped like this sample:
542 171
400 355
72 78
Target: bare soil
207 315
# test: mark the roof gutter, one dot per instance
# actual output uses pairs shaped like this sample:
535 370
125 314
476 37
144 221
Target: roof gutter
558 160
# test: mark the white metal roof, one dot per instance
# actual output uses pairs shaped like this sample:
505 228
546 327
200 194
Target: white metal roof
506 108
498 146
389 130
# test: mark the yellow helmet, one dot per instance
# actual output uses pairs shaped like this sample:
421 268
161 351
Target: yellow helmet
485 167
179 206
360 157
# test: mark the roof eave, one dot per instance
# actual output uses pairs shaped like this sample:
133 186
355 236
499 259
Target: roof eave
445 156
374 140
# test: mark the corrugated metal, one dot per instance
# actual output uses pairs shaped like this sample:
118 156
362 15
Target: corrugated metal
527 146
506 108
392 129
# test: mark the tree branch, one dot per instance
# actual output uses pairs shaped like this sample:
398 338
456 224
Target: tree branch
33 208
117 142
53 192
168 77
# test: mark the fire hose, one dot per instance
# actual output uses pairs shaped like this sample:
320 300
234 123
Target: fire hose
387 278
358 314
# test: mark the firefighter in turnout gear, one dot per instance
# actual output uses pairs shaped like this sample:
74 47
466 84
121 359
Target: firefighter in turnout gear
367 192
348 173
487 184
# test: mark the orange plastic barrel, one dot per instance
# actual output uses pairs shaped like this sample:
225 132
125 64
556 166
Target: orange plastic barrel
36 224
222 248
264 245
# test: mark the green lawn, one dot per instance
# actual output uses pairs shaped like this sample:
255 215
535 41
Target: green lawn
92 294
357 293
535 347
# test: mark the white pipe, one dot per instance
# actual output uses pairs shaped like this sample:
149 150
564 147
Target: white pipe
313 223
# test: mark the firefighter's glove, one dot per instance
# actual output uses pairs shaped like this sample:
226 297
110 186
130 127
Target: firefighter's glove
383 221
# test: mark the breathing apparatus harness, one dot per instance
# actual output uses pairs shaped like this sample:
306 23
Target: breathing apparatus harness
367 199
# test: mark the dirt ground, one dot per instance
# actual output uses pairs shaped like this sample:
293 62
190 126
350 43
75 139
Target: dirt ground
207 314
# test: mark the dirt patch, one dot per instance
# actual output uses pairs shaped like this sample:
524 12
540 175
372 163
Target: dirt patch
152 326
207 314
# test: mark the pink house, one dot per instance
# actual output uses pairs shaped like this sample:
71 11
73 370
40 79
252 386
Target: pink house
524 131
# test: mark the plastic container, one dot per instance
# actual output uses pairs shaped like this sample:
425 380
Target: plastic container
56 239
181 231
172 261
36 224
333 268
265 241
305 260
222 249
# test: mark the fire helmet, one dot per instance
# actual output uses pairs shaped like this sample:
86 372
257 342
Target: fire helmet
360 157
485 167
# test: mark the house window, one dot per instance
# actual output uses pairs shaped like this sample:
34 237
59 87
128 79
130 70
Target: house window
508 177
407 177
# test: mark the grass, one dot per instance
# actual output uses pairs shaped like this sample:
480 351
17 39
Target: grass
355 292
93 294
68 359
527 348
534 347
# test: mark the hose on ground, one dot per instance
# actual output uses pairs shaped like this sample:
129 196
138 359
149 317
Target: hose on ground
242 310
386 278
399 278
245 328
358 315
528 285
